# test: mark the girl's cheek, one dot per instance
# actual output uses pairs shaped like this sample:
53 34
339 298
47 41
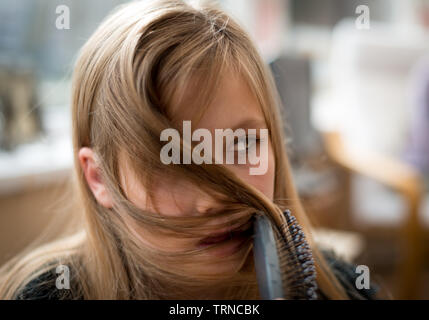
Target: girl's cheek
264 183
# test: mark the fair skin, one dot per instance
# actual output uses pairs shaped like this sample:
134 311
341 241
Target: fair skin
234 106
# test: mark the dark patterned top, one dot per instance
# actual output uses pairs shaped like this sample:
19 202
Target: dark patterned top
44 287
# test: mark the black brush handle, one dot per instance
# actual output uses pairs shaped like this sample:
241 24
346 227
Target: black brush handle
267 264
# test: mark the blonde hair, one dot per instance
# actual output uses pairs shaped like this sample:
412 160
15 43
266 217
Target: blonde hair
127 73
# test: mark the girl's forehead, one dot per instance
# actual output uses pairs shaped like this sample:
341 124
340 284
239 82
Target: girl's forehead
232 103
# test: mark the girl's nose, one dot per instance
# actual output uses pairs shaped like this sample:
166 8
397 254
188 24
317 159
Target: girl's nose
205 206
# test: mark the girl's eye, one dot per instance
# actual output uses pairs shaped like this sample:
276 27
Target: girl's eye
245 143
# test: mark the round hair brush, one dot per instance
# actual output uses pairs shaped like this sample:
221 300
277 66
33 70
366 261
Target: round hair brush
283 261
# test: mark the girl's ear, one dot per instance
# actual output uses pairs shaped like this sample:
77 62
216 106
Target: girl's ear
87 159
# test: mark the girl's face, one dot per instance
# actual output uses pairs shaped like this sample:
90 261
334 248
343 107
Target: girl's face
234 106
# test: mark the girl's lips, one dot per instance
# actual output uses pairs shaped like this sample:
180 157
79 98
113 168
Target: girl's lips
229 241
215 239
229 246
225 234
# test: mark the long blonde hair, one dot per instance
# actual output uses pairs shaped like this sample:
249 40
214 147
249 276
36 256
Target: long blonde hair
124 80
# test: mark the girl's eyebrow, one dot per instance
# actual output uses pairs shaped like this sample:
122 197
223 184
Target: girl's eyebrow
251 123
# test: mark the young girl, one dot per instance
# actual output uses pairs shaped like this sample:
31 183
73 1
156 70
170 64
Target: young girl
152 230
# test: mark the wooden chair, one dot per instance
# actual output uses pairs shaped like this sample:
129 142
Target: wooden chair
403 179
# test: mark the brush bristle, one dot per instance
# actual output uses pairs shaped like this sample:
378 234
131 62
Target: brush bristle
296 261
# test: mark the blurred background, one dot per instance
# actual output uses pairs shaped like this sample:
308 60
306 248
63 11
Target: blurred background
353 76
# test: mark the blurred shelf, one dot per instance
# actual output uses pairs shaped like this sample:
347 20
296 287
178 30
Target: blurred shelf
46 160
